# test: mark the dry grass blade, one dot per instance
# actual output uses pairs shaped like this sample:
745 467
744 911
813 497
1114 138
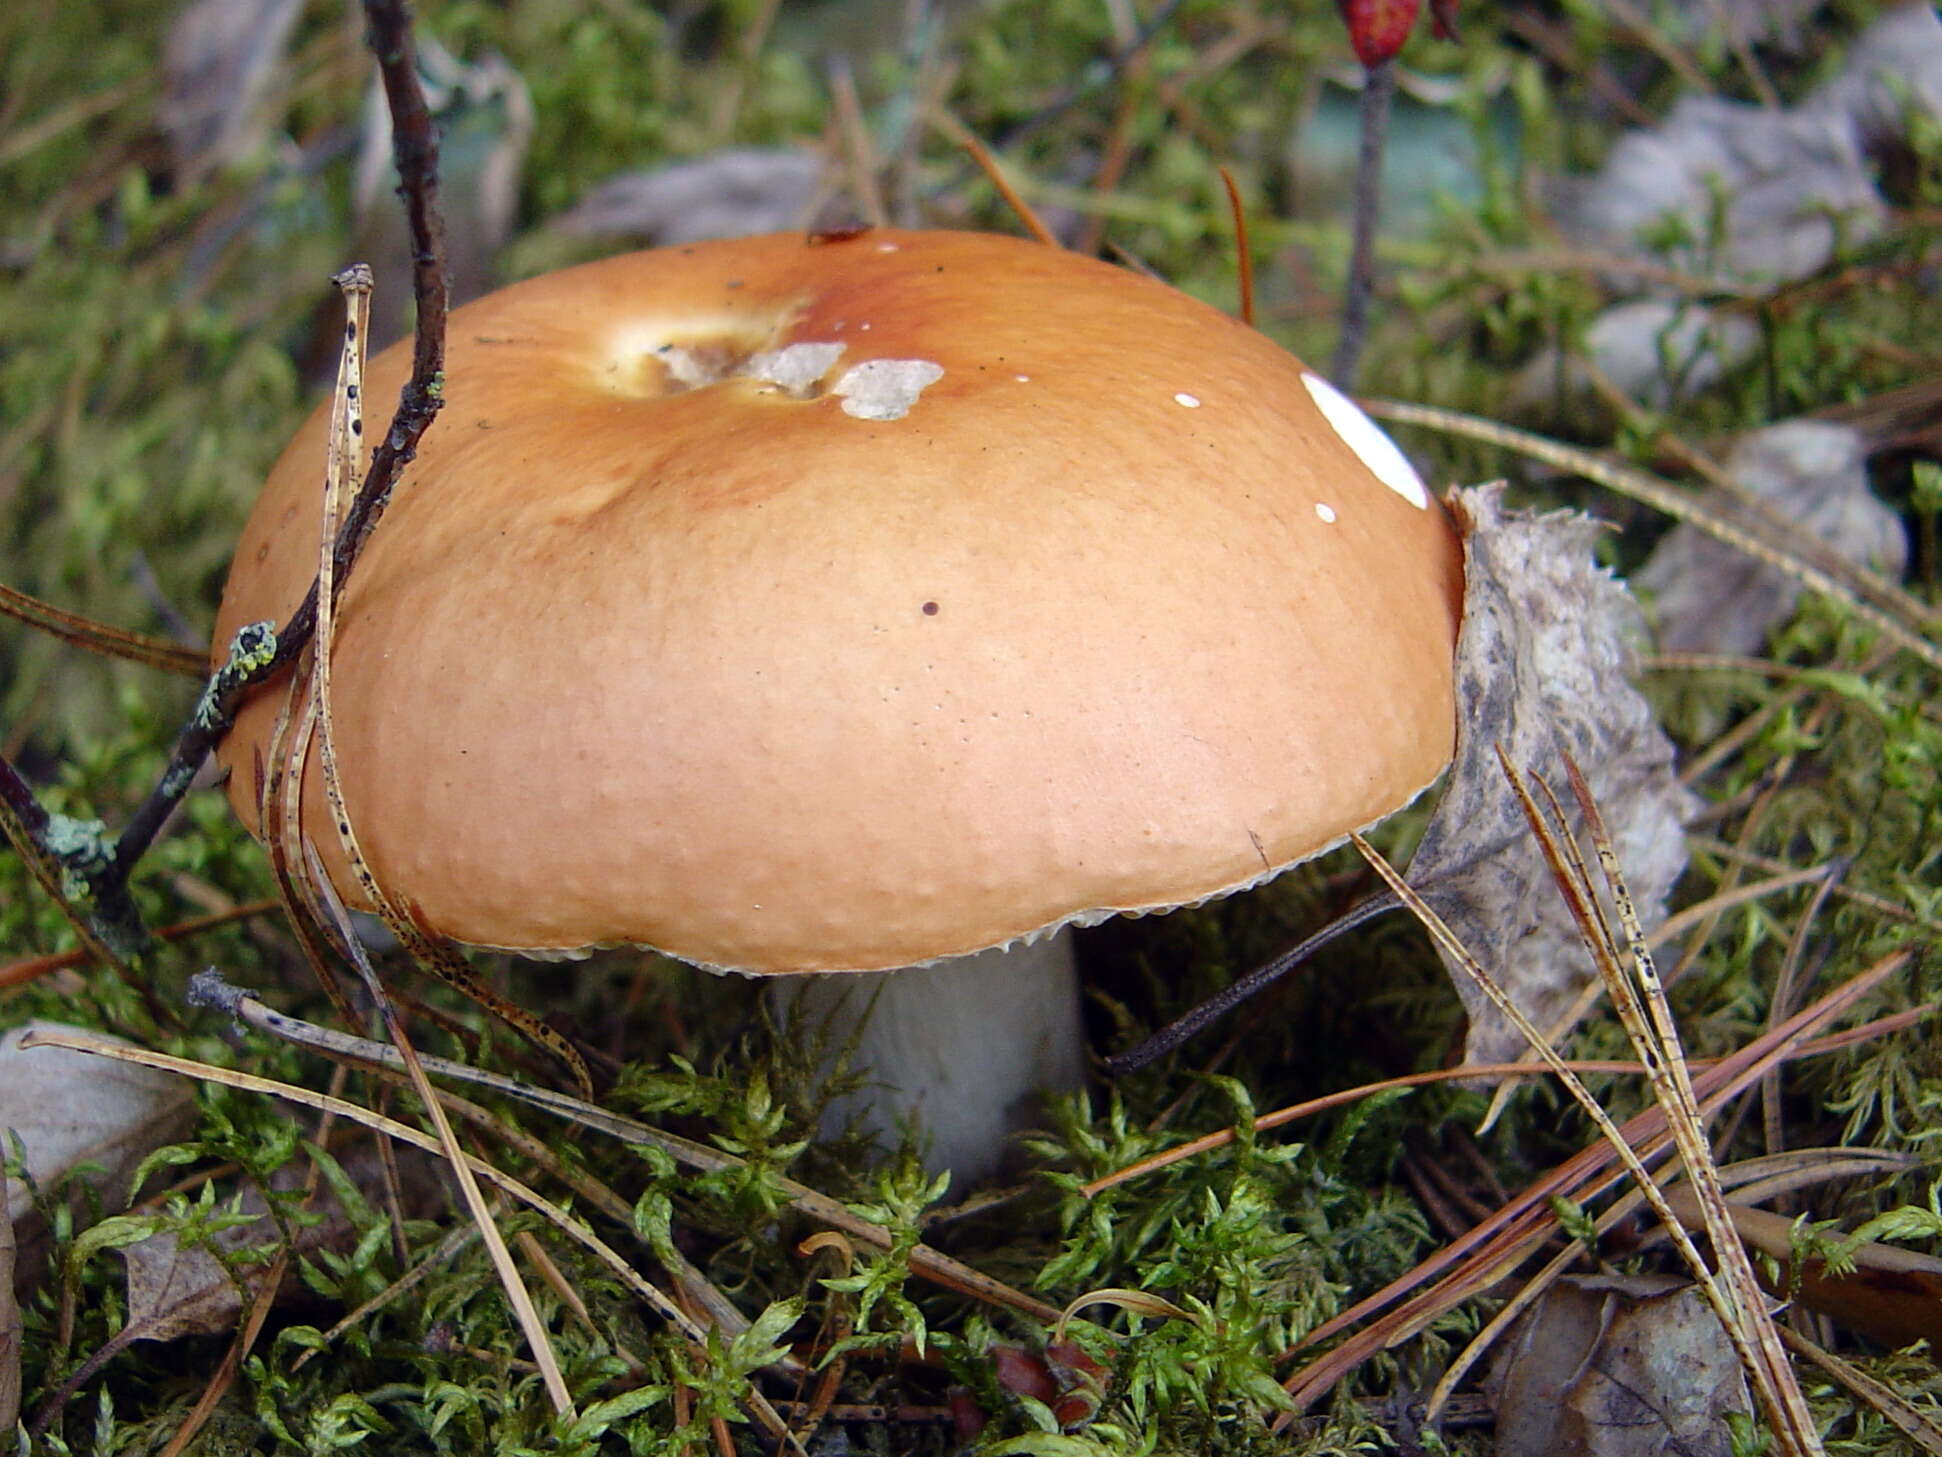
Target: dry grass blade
344 468
277 813
979 153
859 151
1294 1112
521 1299
1243 252
1918 1426
1797 1439
454 1241
1869 596
1834 1163
1477 1260
1756 1180
938 1268
99 637
1673 926
1614 1137
1642 1008
1880 905
559 1218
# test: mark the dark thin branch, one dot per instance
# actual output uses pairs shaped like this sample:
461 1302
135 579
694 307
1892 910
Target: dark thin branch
259 650
1378 92
18 797
1183 1029
414 144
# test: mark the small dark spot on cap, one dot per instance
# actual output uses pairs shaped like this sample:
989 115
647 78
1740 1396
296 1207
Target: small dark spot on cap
930 609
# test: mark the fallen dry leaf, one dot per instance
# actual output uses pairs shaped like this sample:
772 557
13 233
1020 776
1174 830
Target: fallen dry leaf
1787 187
69 1109
1615 1366
1714 598
1891 74
177 1290
727 194
1544 666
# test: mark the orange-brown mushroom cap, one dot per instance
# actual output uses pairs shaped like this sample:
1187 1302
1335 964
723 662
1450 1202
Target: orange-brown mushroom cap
1041 592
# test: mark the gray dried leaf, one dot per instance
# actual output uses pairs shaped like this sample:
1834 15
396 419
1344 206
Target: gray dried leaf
734 193
1782 186
1893 68
72 1108
1544 664
1606 1366
1713 598
175 1291
1654 350
223 65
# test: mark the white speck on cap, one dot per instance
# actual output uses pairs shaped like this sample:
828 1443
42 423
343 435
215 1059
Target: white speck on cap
885 389
1325 511
1377 451
886 247
1183 398
1023 378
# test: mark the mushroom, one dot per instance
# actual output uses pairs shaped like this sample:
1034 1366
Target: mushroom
792 605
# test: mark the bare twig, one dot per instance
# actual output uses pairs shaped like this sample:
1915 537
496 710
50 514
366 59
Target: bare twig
414 144
1191 1024
1378 94
209 989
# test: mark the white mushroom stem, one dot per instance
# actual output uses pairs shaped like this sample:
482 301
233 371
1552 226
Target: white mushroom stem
960 1047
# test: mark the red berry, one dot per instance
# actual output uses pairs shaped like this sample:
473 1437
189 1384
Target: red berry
1378 28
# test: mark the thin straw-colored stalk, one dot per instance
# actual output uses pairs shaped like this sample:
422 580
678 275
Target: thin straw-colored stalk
344 468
